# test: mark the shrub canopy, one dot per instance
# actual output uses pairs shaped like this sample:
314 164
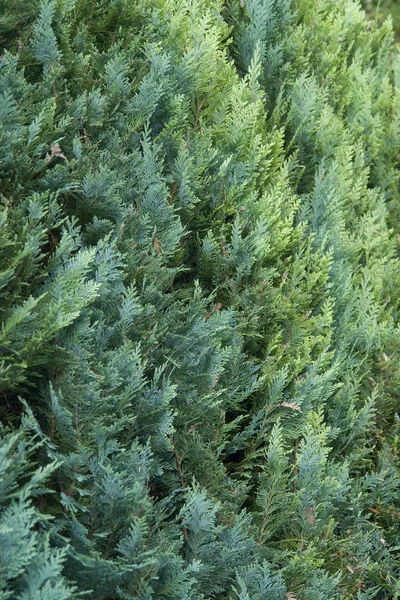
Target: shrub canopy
199 301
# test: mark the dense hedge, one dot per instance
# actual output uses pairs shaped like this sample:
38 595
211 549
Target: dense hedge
199 300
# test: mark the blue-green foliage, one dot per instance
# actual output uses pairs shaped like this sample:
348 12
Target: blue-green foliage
199 301
30 565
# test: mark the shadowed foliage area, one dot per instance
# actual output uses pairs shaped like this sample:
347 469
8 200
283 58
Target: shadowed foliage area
381 10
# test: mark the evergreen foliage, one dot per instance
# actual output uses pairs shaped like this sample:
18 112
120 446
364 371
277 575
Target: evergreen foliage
199 301
382 10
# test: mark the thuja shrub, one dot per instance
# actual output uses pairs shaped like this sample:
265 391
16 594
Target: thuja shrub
199 301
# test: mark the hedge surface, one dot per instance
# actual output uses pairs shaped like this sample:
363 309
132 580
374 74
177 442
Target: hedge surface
199 301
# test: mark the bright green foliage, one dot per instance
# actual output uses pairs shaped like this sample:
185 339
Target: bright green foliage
199 301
